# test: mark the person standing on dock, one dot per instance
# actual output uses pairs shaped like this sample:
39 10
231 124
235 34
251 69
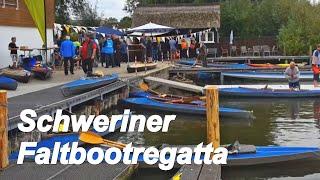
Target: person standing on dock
88 54
315 65
292 73
13 51
173 48
67 51
108 52
203 55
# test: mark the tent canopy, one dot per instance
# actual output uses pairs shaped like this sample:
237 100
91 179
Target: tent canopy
110 31
151 28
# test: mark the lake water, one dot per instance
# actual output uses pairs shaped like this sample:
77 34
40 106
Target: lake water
278 122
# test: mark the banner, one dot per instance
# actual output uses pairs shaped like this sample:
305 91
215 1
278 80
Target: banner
37 11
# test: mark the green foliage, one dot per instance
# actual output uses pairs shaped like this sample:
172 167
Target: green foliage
66 8
125 22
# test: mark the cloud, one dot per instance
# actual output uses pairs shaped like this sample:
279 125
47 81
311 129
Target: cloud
110 8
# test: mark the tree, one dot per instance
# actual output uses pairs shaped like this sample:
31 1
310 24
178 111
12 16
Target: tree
131 5
66 8
89 16
110 22
125 22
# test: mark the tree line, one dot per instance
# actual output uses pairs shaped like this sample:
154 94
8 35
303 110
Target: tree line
294 23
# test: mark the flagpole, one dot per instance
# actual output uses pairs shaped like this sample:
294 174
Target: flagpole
45 31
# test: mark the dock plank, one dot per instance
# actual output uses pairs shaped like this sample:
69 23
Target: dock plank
174 84
30 170
190 172
210 172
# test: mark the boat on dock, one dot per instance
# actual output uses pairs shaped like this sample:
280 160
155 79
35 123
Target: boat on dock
17 74
42 73
87 84
196 108
8 83
266 76
268 92
138 67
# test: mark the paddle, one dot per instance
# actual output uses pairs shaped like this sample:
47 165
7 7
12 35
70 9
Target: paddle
92 138
145 87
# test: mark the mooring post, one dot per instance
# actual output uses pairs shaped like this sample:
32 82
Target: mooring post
213 125
4 161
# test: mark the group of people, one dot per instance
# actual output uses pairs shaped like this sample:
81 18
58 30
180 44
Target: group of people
157 49
110 50
292 73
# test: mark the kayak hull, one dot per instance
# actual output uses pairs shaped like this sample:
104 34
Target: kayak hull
147 103
87 84
141 67
266 76
8 83
267 93
18 75
42 73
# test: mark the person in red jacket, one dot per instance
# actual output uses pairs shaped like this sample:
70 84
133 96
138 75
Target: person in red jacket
88 54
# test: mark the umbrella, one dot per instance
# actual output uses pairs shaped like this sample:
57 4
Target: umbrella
231 37
151 28
107 30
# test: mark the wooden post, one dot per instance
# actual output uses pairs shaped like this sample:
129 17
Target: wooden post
4 161
213 125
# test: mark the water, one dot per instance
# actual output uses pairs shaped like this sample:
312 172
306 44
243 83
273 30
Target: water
278 122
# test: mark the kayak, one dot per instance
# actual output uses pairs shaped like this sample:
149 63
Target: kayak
87 84
18 75
138 67
267 76
268 93
193 109
272 154
42 73
230 66
263 65
8 83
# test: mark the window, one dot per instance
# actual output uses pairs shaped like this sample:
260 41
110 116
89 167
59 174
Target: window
9 3
207 37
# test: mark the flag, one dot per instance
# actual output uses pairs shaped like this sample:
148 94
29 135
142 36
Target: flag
37 11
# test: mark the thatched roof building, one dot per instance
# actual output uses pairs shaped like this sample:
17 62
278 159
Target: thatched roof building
179 16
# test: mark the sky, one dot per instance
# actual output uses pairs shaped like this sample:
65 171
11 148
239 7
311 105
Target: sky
111 8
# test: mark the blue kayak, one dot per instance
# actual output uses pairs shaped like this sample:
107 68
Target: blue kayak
194 109
8 83
273 154
266 76
87 84
228 66
267 93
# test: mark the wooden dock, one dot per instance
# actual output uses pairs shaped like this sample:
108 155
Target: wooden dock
174 84
30 170
199 172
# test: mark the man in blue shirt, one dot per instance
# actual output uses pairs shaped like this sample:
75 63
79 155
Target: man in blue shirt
315 65
108 52
67 51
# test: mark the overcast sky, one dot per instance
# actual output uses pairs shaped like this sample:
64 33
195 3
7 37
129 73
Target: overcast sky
111 8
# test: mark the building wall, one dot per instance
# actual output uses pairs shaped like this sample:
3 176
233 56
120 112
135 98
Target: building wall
26 36
16 21
12 16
